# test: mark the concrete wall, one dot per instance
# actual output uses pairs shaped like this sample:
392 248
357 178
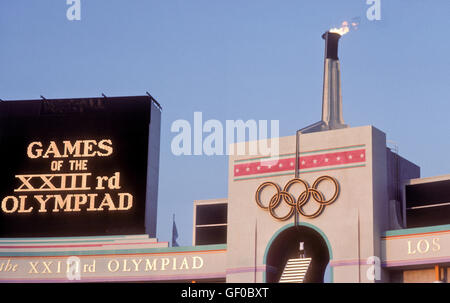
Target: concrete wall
398 171
108 258
352 225
151 205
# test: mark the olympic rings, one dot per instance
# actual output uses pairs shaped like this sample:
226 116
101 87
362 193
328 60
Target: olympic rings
302 200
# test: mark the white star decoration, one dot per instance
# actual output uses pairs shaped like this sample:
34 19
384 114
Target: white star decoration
303 162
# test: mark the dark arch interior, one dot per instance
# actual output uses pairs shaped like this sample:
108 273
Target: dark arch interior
286 246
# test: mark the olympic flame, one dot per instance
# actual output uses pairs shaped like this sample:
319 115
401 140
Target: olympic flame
345 28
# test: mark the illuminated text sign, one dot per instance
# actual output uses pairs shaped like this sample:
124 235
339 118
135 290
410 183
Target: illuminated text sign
69 183
76 167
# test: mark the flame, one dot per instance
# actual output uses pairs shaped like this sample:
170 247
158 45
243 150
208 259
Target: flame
342 30
345 27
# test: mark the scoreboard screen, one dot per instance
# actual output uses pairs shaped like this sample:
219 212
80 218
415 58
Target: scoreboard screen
78 167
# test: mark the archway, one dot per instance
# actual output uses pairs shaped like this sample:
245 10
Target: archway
284 245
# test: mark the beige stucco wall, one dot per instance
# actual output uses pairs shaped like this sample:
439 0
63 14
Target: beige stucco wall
353 224
153 266
426 246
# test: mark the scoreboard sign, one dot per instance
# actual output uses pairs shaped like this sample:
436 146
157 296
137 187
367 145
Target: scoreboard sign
78 167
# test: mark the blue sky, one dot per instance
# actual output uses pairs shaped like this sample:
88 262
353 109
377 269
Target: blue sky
253 59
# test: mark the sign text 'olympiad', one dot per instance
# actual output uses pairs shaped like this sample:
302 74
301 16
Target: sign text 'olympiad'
66 155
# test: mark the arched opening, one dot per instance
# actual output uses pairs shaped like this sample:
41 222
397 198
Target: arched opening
285 245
